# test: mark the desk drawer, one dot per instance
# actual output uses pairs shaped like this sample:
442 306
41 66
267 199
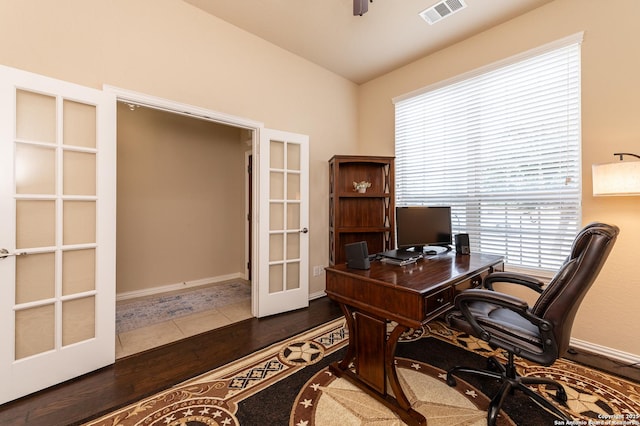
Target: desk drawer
438 301
476 280
473 282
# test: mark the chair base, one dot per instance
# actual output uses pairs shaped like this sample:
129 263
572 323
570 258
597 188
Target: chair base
511 382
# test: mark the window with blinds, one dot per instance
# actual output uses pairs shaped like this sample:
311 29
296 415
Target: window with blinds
502 148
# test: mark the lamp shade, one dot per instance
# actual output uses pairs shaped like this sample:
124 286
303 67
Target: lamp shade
621 178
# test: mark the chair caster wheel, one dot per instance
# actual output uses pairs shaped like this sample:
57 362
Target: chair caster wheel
451 381
493 365
561 395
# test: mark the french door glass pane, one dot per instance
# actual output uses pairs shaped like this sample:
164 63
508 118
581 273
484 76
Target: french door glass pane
35 277
276 191
293 216
78 320
35 223
293 186
276 276
35 331
34 108
293 156
276 160
35 169
293 246
78 271
276 248
293 275
79 173
276 216
79 124
79 222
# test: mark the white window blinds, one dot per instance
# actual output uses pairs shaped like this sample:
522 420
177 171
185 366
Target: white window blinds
502 148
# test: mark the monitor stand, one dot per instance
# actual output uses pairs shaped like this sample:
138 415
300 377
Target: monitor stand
432 250
427 250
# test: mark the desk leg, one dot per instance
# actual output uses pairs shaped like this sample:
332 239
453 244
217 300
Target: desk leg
372 373
351 348
390 367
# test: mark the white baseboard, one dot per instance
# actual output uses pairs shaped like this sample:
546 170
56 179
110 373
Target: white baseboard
178 286
624 358
317 295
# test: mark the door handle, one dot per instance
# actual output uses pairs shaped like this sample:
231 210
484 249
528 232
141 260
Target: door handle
4 253
304 230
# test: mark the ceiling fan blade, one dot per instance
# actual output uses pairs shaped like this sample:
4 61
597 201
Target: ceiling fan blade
360 7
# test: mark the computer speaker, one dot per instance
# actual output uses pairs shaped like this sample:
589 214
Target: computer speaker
357 255
462 244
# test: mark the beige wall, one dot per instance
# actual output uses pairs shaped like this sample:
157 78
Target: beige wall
172 50
610 110
181 200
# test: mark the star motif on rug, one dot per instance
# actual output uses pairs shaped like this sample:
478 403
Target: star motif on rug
475 344
302 353
581 402
357 405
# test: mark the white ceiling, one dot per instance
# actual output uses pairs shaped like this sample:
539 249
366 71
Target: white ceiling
359 48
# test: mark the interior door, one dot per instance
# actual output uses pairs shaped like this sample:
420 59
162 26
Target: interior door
57 203
282 251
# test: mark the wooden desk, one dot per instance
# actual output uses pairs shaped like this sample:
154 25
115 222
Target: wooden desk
408 295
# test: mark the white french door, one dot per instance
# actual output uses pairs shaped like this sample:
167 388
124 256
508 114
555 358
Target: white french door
282 252
57 239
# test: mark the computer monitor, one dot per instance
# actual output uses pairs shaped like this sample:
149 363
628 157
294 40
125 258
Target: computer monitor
421 226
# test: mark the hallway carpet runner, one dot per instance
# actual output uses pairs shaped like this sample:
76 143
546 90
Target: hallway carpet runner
289 383
145 311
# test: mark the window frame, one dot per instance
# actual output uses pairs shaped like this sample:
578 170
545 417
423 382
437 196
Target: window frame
558 251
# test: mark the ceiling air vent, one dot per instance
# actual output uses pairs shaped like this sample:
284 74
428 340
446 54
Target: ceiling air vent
441 10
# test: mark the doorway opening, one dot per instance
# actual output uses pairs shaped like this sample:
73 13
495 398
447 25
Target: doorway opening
183 231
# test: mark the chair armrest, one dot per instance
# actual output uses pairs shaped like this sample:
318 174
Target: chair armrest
481 295
515 304
513 278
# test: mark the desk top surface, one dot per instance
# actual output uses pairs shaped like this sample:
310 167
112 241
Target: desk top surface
425 274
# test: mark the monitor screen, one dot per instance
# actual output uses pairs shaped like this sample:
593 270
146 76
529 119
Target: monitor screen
422 226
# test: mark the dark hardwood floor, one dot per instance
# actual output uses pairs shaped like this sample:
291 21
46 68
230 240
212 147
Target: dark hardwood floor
144 374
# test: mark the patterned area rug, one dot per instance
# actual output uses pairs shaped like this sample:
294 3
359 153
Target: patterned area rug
289 383
137 313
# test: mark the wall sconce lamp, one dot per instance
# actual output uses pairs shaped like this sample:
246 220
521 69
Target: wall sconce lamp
619 178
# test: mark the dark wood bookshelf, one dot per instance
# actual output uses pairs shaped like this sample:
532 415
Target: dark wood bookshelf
355 216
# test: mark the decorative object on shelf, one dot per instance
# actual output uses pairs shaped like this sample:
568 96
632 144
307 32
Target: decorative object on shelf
619 178
361 186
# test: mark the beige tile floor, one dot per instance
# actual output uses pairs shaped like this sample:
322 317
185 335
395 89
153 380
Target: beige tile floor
155 335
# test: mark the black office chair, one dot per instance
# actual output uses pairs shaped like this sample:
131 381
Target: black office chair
540 334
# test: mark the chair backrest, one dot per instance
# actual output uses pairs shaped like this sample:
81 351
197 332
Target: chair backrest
560 300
